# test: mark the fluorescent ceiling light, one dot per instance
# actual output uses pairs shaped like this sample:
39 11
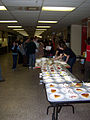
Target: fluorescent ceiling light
47 21
43 26
3 8
41 29
58 8
18 29
24 33
8 21
14 26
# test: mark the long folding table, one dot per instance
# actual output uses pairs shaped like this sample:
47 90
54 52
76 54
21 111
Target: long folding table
62 88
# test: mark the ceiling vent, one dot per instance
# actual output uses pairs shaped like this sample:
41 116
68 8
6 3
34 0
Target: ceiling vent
24 8
29 8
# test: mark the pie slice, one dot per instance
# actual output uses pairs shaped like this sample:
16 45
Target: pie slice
79 89
51 85
56 96
86 95
53 90
78 85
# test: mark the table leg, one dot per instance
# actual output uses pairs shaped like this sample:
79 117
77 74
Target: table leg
57 113
53 114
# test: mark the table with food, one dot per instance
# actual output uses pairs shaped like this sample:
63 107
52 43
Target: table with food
62 88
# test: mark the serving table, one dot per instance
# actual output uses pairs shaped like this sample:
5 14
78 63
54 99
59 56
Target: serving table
62 88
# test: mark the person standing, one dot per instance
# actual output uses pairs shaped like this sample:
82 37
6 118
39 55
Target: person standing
31 50
87 63
15 49
37 45
40 50
50 50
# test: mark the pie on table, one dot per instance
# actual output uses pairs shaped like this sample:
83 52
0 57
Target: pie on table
53 90
78 85
78 89
51 85
86 95
56 96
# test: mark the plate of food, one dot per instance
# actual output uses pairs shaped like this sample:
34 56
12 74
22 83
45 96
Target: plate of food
79 90
46 77
51 85
59 80
56 96
56 75
63 63
38 60
43 59
64 85
52 90
76 85
68 78
72 96
85 95
48 80
66 90
63 73
87 84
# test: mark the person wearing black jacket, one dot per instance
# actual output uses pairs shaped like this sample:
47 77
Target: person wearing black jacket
67 55
31 50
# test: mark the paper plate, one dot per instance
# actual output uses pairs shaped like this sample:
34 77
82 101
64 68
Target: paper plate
67 90
48 81
51 85
63 63
56 96
87 84
38 60
59 80
79 90
85 95
64 85
68 78
76 85
52 90
63 73
72 96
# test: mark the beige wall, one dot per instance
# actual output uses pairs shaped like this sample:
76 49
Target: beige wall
76 39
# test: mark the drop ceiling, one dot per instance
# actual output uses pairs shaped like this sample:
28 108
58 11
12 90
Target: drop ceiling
28 17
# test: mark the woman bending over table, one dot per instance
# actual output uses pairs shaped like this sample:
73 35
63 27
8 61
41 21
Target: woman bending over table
67 55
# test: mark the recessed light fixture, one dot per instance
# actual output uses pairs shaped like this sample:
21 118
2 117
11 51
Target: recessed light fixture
3 8
58 8
41 29
18 29
14 26
47 21
43 26
8 21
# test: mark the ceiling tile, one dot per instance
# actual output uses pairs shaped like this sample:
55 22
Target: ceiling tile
22 2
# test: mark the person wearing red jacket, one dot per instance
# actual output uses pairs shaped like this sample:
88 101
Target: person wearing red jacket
87 63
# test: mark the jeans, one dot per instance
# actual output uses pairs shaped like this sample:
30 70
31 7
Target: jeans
71 61
14 61
32 59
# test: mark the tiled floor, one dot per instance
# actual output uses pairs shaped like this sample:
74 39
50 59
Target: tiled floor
23 98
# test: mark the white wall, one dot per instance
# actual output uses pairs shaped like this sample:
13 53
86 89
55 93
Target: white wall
76 39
